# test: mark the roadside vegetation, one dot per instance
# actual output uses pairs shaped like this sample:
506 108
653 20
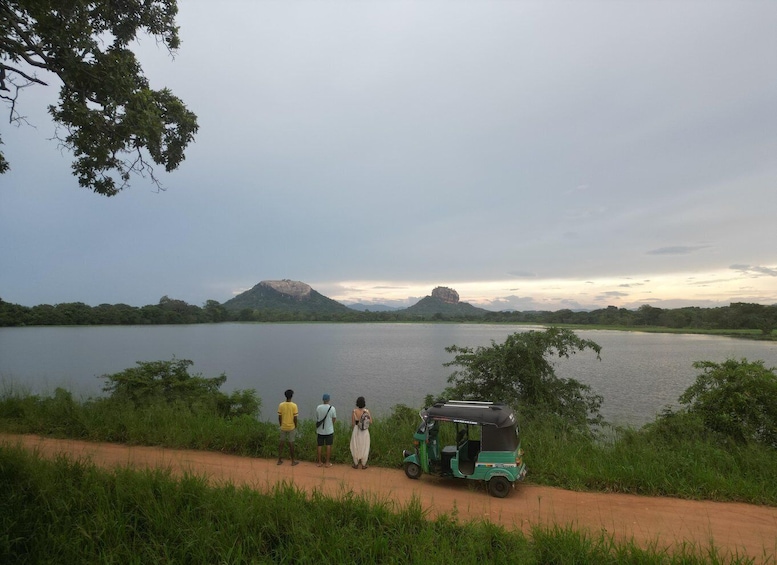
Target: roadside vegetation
66 511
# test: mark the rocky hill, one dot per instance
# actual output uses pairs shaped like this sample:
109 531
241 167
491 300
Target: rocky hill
444 301
284 295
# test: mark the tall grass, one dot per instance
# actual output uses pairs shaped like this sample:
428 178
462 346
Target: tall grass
66 511
675 458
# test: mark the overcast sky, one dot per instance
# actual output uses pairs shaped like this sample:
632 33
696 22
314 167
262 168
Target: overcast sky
530 155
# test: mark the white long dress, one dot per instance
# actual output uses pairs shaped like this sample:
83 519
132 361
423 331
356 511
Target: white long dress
360 443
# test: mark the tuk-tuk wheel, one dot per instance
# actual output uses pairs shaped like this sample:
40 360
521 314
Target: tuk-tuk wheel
412 471
499 486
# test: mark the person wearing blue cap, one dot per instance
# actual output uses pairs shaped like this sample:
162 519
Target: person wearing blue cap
326 416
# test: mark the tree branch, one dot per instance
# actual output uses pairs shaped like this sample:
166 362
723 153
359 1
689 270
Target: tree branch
30 79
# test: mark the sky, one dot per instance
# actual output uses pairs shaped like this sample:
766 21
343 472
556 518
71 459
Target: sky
529 155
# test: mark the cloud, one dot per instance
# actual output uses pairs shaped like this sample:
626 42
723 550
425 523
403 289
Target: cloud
612 294
755 271
677 250
375 155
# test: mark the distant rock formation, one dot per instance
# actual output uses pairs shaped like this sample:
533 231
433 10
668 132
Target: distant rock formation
284 296
444 301
446 295
295 289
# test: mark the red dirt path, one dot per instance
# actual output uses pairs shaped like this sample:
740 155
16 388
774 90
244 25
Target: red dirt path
733 528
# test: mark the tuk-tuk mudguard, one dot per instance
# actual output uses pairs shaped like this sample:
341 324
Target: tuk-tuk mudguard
413 458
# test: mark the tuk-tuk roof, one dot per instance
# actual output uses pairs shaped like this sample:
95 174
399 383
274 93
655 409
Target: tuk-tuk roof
473 412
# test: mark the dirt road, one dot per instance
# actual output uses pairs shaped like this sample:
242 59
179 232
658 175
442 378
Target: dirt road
730 527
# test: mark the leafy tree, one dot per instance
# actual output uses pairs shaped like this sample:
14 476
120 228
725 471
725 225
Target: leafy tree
215 312
110 115
518 372
170 382
737 399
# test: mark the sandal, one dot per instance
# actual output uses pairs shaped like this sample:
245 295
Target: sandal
355 466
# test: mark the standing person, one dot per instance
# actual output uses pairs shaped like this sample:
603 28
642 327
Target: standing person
325 433
360 436
287 420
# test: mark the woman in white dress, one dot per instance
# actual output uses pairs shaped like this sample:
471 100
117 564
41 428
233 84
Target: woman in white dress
360 435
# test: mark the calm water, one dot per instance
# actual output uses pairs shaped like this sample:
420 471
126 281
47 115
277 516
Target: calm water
638 375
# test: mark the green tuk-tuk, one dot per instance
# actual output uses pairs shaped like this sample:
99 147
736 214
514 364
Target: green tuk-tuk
484 444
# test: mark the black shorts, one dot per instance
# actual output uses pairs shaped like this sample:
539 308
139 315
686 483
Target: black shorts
325 439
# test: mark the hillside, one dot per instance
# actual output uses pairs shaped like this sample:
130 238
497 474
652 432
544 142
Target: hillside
372 307
443 301
284 295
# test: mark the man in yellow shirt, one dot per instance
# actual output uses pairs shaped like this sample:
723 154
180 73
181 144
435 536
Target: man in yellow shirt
287 419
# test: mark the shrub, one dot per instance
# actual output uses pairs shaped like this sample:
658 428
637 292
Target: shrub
737 399
519 373
170 382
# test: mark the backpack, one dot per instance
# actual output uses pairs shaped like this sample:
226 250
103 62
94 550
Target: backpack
365 420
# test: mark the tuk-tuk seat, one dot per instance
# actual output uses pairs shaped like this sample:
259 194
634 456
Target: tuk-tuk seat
448 453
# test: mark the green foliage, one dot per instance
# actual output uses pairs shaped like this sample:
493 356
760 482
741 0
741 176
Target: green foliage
518 372
111 116
169 382
734 319
675 456
752 321
67 511
736 399
679 458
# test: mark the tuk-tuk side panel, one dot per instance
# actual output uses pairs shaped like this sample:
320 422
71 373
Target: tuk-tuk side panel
492 463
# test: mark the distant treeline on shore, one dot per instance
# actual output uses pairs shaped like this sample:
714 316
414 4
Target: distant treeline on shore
737 316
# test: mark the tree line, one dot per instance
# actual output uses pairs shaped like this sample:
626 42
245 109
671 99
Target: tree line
736 316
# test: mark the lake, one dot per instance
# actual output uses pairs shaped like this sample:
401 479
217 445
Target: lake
388 364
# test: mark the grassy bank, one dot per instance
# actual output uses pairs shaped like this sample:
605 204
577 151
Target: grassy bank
675 459
71 512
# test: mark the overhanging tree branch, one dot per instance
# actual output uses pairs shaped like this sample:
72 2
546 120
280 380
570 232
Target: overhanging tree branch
111 115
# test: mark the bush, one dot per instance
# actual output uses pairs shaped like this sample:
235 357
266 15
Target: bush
518 372
736 399
170 382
